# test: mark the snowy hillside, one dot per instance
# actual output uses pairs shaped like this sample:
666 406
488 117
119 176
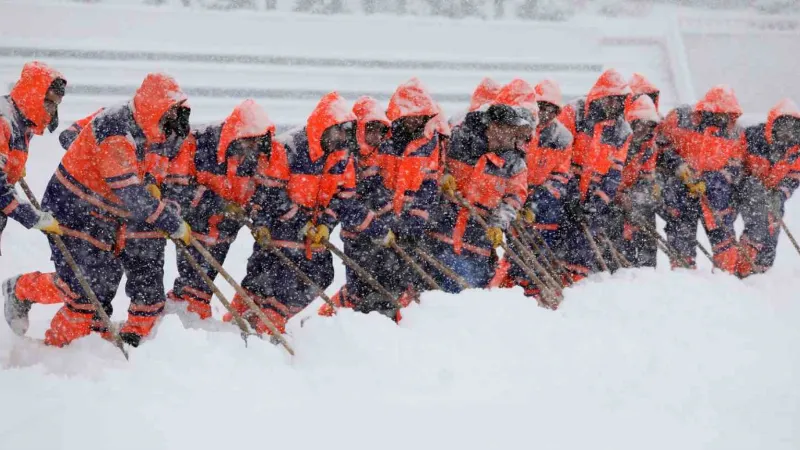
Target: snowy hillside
643 359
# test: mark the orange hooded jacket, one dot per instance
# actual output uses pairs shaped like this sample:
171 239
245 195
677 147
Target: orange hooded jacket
641 162
102 173
405 166
776 170
22 113
304 183
599 150
703 147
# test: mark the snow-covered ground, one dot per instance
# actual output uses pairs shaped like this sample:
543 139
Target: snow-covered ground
642 359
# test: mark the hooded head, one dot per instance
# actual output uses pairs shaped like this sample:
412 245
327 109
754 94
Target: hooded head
785 110
719 99
438 124
520 95
610 84
718 107
643 117
368 111
410 109
248 120
549 99
642 108
158 94
484 94
549 91
331 110
642 86
511 119
30 92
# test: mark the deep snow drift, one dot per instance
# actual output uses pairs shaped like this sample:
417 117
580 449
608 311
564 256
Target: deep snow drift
645 359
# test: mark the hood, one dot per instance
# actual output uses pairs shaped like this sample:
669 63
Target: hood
519 93
157 94
247 120
411 99
609 84
549 91
438 124
368 110
642 108
719 99
30 90
641 85
785 107
331 110
485 93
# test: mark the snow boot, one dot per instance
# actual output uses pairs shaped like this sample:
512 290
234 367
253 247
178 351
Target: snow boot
15 310
199 306
137 328
238 305
67 326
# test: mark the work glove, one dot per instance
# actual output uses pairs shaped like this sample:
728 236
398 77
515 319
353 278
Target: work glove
154 191
527 215
447 184
184 234
495 236
261 235
657 192
234 211
697 188
317 234
389 239
48 224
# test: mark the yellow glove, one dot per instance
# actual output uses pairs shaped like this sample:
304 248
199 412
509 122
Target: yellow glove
657 191
154 191
684 173
261 235
24 172
235 211
318 234
48 224
697 189
527 215
495 236
448 184
184 234
389 239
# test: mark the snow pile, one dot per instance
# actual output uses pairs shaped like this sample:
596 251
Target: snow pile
643 359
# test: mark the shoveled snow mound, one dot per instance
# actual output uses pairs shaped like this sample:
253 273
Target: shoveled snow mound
643 359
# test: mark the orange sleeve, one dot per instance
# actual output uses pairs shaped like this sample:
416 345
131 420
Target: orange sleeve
5 135
279 163
567 118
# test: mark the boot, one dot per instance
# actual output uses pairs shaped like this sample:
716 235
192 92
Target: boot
238 305
339 300
67 326
16 310
199 306
727 260
137 328
274 316
501 278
